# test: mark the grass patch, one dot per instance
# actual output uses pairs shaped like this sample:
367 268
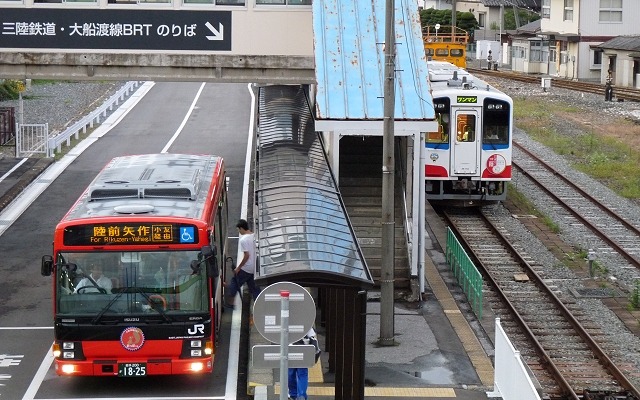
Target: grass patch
528 207
609 160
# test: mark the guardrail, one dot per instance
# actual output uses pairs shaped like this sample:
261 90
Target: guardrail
89 120
465 272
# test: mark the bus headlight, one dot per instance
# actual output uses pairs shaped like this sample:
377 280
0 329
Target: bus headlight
68 369
197 366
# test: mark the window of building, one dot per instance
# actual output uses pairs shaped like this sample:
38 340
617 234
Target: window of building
610 11
482 20
217 2
596 58
518 52
285 2
568 10
546 8
535 51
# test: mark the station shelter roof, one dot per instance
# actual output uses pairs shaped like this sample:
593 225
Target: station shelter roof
304 233
349 54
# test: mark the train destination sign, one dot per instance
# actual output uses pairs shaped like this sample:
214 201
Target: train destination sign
130 233
467 99
29 28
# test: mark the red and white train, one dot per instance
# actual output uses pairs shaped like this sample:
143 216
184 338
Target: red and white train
468 160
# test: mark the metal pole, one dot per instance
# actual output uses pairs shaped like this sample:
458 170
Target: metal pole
388 171
454 17
284 344
421 219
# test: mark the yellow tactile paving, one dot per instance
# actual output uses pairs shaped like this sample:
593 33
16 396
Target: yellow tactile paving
315 373
383 391
470 342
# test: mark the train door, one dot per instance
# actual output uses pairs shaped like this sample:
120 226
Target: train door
465 152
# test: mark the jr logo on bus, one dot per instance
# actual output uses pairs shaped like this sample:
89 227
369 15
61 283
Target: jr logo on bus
197 329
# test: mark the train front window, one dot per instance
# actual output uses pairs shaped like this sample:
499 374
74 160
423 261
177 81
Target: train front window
495 129
457 53
442 52
146 283
441 107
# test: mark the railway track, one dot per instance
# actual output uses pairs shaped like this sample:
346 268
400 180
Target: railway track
556 340
600 225
620 93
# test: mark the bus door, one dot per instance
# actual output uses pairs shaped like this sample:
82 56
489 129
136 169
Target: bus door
465 152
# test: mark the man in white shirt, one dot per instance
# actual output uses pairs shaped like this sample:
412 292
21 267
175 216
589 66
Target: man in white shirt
245 270
95 281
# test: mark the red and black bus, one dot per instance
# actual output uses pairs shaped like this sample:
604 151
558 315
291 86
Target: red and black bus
137 283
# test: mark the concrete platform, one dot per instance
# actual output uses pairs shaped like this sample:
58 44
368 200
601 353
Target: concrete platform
437 356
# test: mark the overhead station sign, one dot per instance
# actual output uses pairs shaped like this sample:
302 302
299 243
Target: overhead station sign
28 28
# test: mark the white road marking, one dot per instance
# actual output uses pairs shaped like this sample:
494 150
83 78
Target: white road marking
3 177
184 120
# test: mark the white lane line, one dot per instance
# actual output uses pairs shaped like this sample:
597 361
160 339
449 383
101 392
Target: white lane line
13 211
37 380
184 121
234 342
3 177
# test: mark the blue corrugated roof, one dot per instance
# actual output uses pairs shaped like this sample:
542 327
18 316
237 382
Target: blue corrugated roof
349 56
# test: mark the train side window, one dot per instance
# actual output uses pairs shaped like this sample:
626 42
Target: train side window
442 135
442 52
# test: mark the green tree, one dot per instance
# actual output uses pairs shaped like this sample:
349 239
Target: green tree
524 15
464 20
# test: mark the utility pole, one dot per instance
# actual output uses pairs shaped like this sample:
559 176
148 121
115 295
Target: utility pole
388 170
453 17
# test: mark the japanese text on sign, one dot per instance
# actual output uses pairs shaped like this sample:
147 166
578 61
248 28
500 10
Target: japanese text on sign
98 29
131 233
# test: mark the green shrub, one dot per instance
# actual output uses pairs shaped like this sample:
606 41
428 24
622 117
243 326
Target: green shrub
9 89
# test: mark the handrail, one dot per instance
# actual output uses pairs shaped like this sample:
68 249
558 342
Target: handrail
55 142
445 34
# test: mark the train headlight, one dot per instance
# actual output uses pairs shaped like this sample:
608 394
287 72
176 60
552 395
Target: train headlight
196 343
196 353
68 345
68 354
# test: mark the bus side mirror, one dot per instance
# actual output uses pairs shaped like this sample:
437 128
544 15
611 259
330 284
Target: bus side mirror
47 266
209 254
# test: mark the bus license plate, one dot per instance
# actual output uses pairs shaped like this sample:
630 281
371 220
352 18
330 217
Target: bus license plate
132 369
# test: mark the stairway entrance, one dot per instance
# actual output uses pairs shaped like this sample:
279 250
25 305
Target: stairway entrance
360 181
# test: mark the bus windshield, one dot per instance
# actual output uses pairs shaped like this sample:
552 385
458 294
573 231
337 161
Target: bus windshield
123 283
